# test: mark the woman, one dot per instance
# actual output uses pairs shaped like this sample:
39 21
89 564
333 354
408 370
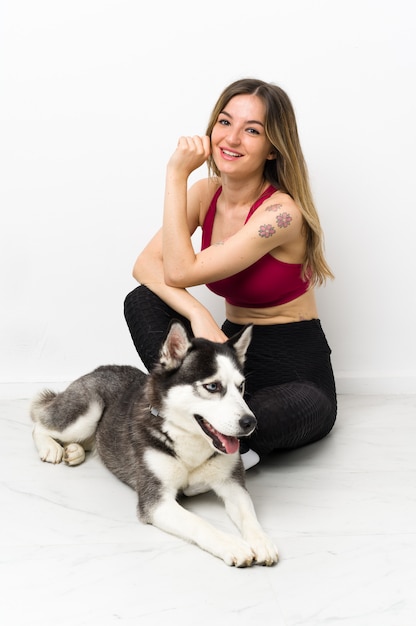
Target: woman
262 250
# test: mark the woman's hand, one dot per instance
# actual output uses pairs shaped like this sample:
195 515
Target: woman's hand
190 154
204 325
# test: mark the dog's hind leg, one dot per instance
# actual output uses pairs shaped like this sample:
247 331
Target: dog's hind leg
64 437
48 448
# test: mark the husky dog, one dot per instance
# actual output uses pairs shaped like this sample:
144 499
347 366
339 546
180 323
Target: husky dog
171 432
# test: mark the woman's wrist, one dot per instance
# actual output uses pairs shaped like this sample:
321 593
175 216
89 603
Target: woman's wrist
175 174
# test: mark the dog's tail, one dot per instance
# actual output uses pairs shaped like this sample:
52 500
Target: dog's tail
40 404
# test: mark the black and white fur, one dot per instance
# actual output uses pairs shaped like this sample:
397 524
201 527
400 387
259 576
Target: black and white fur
172 432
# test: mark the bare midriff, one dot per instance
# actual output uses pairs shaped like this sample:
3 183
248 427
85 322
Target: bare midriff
298 310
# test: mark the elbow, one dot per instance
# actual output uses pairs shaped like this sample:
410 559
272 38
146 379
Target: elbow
174 278
137 271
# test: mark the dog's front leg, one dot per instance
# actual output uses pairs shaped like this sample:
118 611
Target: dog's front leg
171 517
240 508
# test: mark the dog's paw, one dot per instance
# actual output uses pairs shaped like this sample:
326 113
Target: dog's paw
236 552
51 451
74 454
265 552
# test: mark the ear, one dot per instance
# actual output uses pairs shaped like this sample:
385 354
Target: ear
175 346
241 341
271 156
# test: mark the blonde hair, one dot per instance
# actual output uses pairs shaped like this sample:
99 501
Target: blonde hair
288 171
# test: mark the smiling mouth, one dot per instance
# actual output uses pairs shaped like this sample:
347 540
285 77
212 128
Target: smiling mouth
229 153
223 443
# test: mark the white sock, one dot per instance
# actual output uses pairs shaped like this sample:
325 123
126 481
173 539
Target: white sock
249 458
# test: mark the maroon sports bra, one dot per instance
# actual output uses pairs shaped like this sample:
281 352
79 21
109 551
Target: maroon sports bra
268 282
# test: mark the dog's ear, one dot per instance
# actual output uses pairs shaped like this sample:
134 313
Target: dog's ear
241 341
175 346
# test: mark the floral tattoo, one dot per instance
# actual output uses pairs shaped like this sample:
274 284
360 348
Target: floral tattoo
273 207
266 230
283 220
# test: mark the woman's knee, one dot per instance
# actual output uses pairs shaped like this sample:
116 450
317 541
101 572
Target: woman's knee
291 415
148 318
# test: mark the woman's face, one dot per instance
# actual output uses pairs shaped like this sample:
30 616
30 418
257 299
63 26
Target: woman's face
238 140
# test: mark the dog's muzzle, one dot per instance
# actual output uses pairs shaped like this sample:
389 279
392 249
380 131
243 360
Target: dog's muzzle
225 443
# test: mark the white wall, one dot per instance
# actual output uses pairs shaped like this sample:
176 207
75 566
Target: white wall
94 94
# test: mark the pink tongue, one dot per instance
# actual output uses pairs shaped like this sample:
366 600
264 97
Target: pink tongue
231 444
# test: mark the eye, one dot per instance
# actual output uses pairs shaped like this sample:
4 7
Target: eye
242 387
214 387
224 122
253 131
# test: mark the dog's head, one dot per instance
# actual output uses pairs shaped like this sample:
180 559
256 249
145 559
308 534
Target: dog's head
198 385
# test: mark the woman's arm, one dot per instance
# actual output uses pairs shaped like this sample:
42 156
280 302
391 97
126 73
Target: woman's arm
148 270
190 154
274 224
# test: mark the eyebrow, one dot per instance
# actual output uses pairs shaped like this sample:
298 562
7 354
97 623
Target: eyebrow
247 122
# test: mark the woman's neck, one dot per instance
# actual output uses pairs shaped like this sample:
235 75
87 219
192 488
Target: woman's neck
238 193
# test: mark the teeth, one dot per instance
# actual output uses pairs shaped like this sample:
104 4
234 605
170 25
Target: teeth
233 154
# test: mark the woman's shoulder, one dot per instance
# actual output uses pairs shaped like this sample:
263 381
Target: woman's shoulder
281 197
206 188
278 213
279 202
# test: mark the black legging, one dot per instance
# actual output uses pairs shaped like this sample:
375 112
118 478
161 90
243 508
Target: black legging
289 379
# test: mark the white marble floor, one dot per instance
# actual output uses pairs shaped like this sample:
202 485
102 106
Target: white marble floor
342 512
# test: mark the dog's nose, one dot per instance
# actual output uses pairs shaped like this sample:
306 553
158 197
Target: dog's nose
247 423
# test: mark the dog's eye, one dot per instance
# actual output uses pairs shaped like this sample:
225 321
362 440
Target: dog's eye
242 387
213 387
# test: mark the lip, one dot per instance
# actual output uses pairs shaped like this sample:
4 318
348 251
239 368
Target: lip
230 155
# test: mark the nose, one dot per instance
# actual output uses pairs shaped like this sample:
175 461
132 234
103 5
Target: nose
233 136
247 423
